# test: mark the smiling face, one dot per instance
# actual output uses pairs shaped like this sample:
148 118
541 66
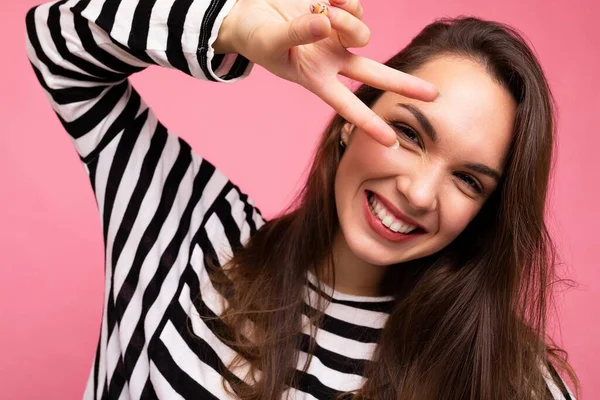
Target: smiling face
440 184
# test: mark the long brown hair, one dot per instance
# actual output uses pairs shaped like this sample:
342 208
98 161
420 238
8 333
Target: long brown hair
468 321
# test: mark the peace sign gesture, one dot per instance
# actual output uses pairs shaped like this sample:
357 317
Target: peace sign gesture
310 48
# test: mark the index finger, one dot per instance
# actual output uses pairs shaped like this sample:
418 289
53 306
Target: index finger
389 79
342 100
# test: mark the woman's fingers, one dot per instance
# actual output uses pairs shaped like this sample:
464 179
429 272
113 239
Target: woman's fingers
304 29
383 77
352 32
309 28
352 6
351 108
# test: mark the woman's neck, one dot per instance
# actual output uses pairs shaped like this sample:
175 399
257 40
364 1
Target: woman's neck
352 274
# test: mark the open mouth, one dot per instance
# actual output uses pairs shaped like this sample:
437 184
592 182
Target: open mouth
385 223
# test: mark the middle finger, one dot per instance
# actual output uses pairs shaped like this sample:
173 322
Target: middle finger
381 76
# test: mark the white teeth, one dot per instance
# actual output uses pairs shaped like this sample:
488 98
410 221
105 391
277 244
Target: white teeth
406 228
388 219
377 207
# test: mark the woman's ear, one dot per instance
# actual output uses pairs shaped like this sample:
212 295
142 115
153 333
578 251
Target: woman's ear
348 128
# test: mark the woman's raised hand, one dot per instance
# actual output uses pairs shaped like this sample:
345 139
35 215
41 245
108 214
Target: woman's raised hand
310 49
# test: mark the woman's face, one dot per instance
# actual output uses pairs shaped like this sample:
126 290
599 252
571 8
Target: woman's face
438 183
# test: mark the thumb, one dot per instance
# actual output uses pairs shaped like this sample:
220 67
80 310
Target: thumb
304 29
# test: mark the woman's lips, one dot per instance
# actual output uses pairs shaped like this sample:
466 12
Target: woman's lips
395 211
381 230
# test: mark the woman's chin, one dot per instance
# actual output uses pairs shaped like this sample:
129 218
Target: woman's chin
371 252
375 251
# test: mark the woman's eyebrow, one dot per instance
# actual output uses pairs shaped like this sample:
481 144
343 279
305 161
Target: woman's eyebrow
422 119
484 169
430 131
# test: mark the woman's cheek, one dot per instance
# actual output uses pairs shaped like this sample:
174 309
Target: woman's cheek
456 213
370 156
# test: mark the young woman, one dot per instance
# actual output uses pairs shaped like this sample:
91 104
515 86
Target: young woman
415 264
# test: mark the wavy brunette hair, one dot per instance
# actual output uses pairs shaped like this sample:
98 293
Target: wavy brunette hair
469 322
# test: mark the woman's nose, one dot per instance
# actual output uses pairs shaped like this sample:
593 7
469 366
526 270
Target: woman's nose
420 188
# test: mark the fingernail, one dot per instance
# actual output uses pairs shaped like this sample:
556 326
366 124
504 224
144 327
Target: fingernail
433 89
381 126
319 8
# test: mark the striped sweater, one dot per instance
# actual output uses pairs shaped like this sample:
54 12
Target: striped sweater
164 208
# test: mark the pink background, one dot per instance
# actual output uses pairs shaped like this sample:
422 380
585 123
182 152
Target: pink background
52 263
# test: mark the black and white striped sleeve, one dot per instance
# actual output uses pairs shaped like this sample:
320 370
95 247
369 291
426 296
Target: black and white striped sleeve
557 387
82 52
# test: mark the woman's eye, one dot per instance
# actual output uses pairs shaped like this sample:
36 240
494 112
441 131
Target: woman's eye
407 132
471 182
